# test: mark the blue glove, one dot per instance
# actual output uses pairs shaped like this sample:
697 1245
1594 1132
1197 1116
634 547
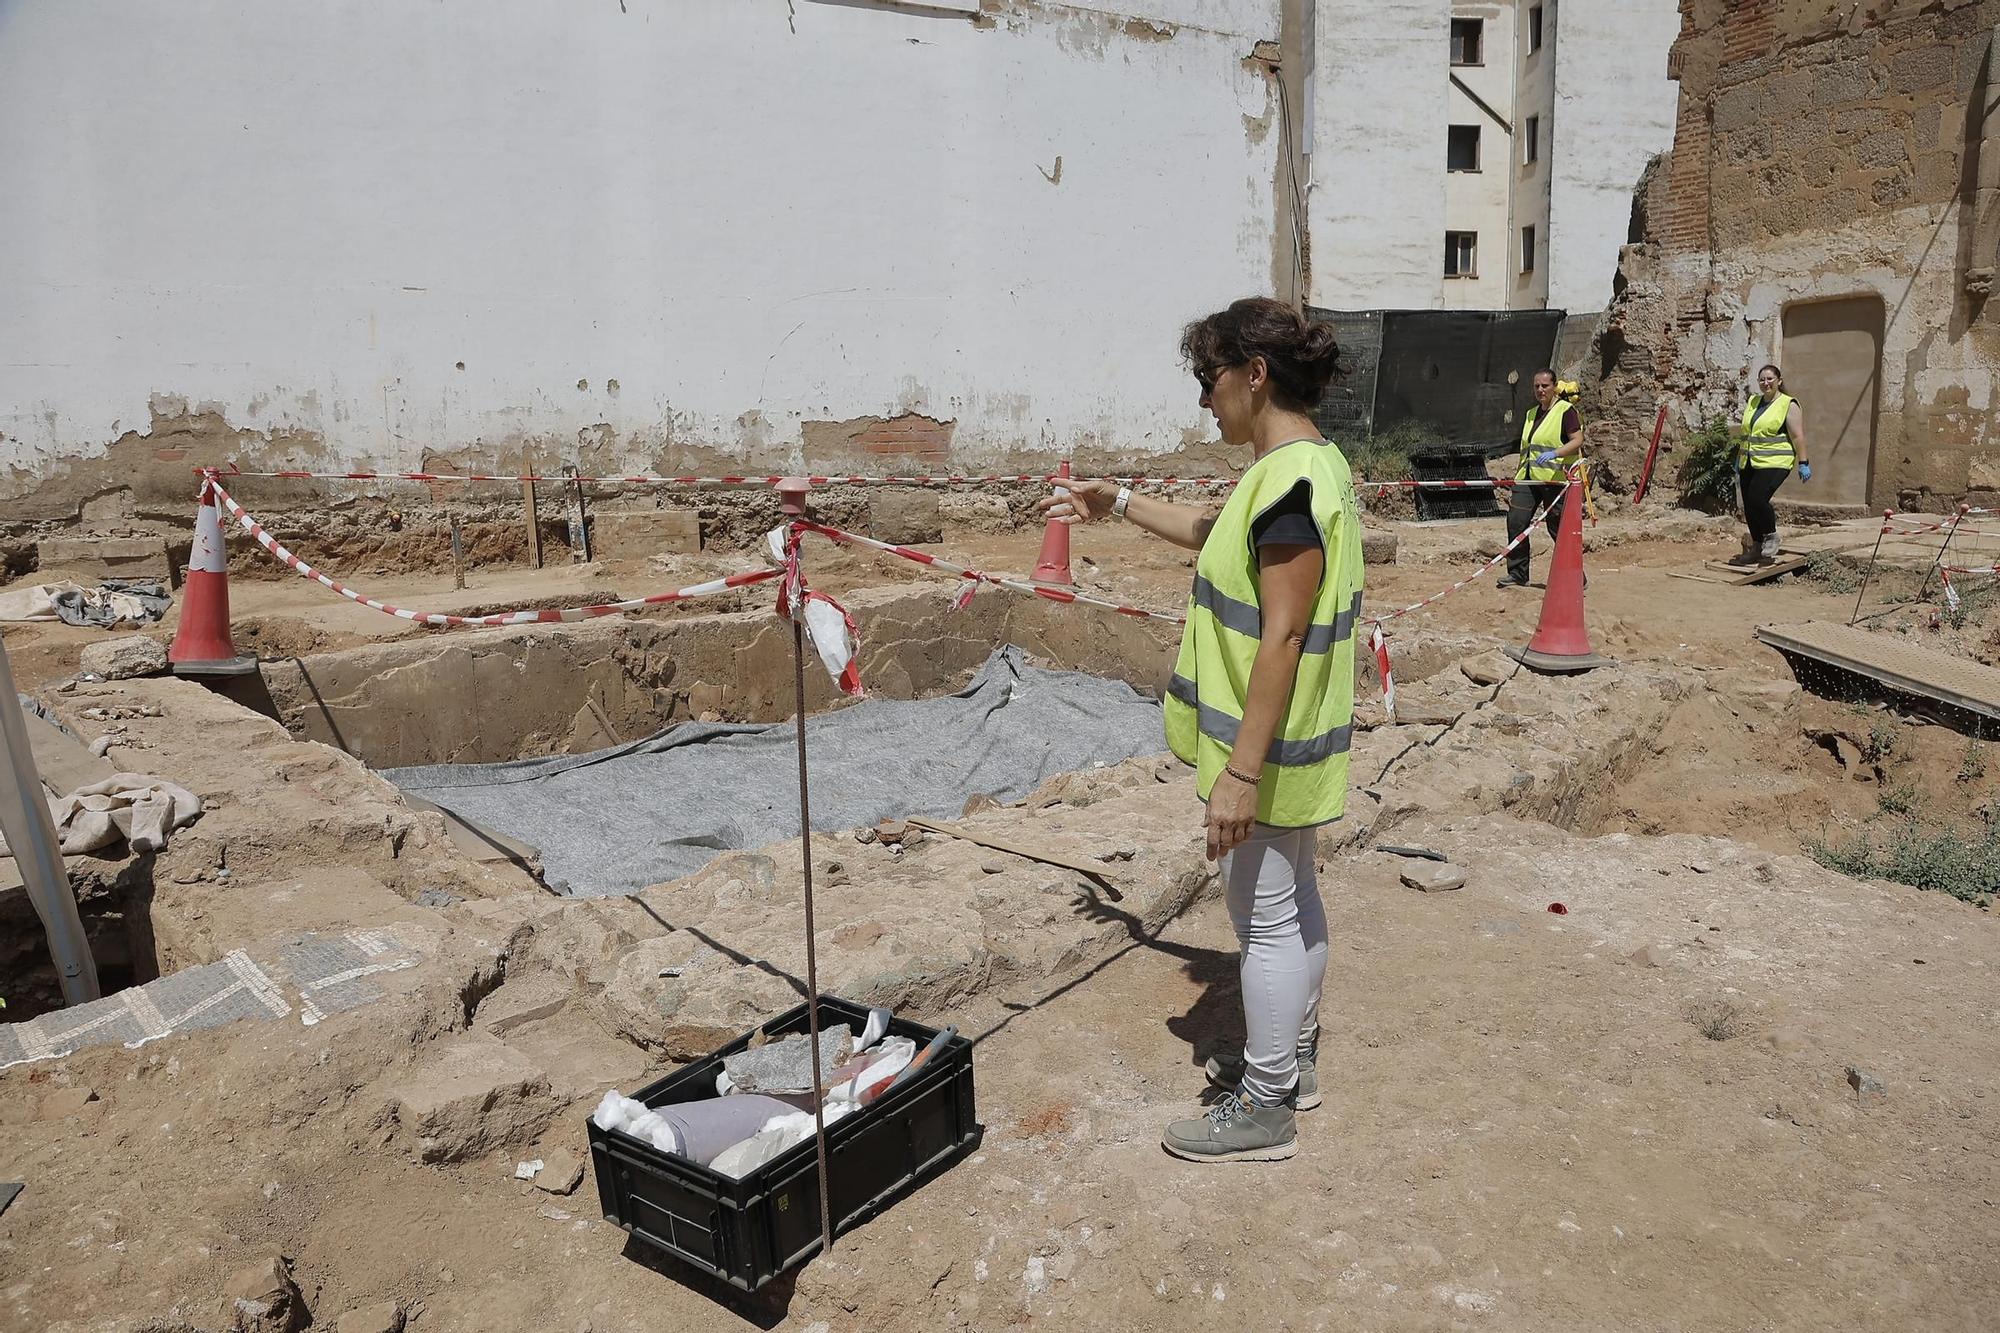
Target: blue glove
1805 472
1545 457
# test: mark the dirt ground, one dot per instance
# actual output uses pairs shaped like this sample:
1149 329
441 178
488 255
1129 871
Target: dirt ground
1634 1114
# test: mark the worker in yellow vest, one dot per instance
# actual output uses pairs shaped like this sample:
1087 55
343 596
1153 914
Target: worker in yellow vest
1772 443
1551 437
1261 701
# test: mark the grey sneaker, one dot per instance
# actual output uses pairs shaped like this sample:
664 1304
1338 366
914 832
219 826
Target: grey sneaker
1226 1071
1235 1130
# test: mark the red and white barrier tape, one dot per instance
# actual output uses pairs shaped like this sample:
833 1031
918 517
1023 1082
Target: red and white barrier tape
650 479
1379 638
304 570
1970 569
947 479
975 577
1541 515
1380 643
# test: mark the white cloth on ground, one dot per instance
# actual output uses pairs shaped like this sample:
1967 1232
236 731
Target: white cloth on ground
141 810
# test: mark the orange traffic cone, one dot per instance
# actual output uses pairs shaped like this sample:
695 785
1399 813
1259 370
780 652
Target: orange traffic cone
1053 567
1562 644
202 646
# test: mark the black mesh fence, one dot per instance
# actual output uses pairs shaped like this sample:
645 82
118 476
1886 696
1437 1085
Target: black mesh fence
1462 377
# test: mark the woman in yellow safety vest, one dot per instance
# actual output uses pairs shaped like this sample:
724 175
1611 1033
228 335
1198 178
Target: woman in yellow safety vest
1551 436
1261 701
1773 441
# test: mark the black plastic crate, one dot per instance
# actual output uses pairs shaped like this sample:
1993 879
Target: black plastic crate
1467 463
748 1231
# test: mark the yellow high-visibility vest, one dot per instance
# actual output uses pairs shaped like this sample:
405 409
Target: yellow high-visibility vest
1764 442
1304 773
1539 435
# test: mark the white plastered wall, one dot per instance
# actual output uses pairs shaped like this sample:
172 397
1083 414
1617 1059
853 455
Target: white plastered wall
1614 109
748 214
1377 202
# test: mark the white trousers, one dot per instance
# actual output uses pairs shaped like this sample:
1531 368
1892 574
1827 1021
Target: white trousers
1273 896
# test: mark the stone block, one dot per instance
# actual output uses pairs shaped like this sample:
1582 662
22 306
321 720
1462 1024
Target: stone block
470 1096
1921 68
92 558
1845 81
1378 548
908 518
646 532
1739 108
1883 149
1868 1089
124 657
1937 176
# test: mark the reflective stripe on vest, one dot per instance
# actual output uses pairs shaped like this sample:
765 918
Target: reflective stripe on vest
1244 617
1539 435
1304 772
1764 442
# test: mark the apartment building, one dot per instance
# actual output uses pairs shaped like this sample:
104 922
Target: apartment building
1503 139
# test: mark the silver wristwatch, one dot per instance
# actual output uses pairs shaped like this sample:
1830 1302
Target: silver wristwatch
1118 505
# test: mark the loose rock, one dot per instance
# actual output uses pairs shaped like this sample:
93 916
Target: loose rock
1487 668
263 1299
381 1317
125 657
1433 877
1868 1090
562 1171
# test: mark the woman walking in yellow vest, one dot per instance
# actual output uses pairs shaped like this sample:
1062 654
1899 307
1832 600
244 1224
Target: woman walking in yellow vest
1772 443
1551 436
1261 701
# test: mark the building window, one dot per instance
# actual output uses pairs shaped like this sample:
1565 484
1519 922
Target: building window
1462 148
1534 29
1531 142
1461 254
1466 38
1527 249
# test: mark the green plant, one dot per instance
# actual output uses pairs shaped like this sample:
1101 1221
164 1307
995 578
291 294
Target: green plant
1832 571
1882 742
1973 766
1707 473
1385 456
1964 863
1898 800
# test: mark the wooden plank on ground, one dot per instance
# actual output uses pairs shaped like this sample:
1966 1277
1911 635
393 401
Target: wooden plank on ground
1894 661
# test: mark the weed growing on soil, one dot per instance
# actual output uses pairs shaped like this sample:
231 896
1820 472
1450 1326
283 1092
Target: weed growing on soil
1898 800
1832 572
1973 766
1717 1020
1707 475
1882 742
1386 456
1964 863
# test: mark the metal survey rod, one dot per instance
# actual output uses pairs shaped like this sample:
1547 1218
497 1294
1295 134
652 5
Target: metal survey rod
792 493
31 837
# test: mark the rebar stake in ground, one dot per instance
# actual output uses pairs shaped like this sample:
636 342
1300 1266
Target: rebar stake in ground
792 492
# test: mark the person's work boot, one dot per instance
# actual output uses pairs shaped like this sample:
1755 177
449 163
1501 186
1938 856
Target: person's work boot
1226 1071
1747 558
1509 581
1235 1130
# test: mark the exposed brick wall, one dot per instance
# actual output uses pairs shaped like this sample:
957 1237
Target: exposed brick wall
1682 225
909 436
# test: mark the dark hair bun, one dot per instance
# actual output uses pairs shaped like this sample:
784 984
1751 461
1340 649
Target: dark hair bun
1303 356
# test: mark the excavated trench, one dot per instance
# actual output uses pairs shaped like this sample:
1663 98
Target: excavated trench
530 691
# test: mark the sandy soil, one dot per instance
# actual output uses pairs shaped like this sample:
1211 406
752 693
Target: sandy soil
1634 1115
